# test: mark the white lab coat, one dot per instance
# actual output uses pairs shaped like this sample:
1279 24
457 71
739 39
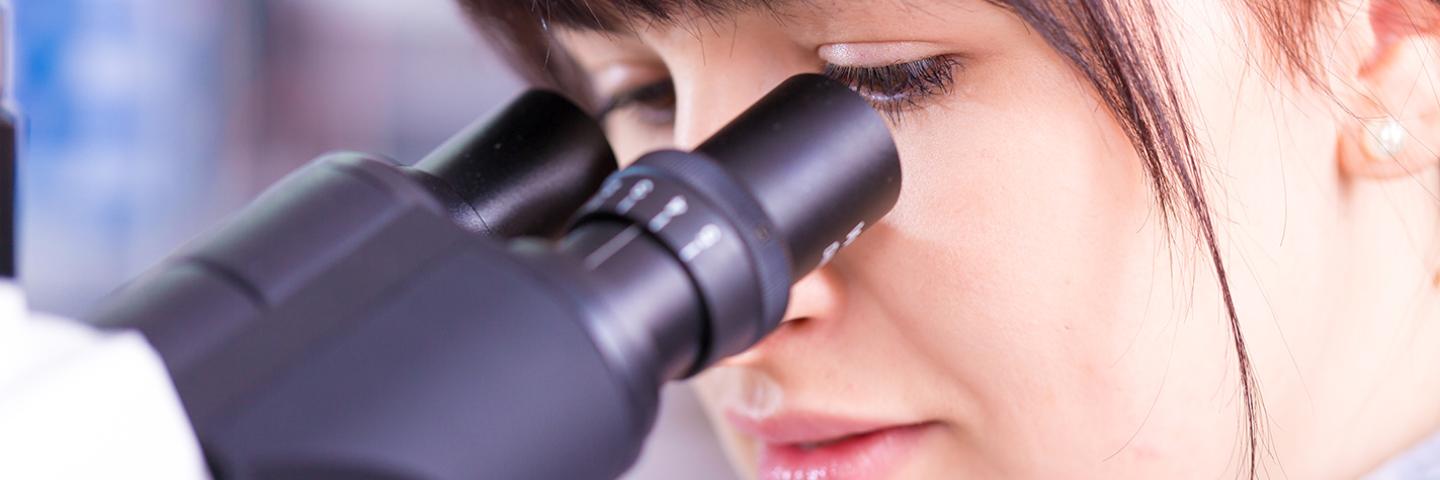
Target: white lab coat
80 403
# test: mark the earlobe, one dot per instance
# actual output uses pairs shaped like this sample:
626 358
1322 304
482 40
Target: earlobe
1383 148
1393 124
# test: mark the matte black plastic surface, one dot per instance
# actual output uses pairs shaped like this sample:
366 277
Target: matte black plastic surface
818 159
523 170
9 163
417 388
9 152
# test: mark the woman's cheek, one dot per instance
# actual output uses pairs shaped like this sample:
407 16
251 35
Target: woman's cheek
1021 257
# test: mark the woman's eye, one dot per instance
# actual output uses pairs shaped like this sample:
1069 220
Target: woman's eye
897 88
893 89
652 104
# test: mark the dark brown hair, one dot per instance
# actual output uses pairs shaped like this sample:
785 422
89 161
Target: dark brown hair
1119 46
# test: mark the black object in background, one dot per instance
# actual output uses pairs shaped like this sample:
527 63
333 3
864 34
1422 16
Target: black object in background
344 326
9 155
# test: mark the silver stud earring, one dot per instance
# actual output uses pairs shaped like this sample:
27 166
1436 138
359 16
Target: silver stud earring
1385 136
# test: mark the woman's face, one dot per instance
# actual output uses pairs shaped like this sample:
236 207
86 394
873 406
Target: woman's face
1025 310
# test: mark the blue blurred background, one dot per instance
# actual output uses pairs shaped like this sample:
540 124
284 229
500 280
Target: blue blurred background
147 121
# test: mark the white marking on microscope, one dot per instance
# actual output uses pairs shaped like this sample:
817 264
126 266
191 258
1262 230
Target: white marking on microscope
609 188
611 246
674 208
708 237
638 192
854 232
828 254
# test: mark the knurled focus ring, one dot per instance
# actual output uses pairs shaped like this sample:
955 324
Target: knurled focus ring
771 253
717 231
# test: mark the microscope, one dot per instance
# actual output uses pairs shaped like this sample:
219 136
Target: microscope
509 306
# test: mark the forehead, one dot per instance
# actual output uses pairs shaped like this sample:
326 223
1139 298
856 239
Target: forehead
621 15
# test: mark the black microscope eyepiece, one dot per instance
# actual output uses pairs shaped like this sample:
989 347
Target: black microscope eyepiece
771 196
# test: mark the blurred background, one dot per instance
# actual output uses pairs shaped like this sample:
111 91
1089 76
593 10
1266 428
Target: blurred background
147 121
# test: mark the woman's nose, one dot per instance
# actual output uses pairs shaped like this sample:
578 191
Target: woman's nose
712 92
819 296
702 107
815 301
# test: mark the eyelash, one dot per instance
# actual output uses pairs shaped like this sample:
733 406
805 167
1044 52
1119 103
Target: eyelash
656 98
898 88
893 89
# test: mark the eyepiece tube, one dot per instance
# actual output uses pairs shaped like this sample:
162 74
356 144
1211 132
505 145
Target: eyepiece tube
818 159
771 196
523 170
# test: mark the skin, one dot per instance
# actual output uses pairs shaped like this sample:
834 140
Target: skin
1025 300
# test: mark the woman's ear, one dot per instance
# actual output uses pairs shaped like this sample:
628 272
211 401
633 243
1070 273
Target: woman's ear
1393 98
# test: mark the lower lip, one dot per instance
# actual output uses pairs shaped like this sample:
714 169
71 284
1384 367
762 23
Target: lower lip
870 455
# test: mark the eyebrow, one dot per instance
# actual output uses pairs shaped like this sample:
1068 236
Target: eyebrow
618 15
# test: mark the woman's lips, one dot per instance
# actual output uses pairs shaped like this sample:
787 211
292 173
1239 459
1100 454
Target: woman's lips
814 447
